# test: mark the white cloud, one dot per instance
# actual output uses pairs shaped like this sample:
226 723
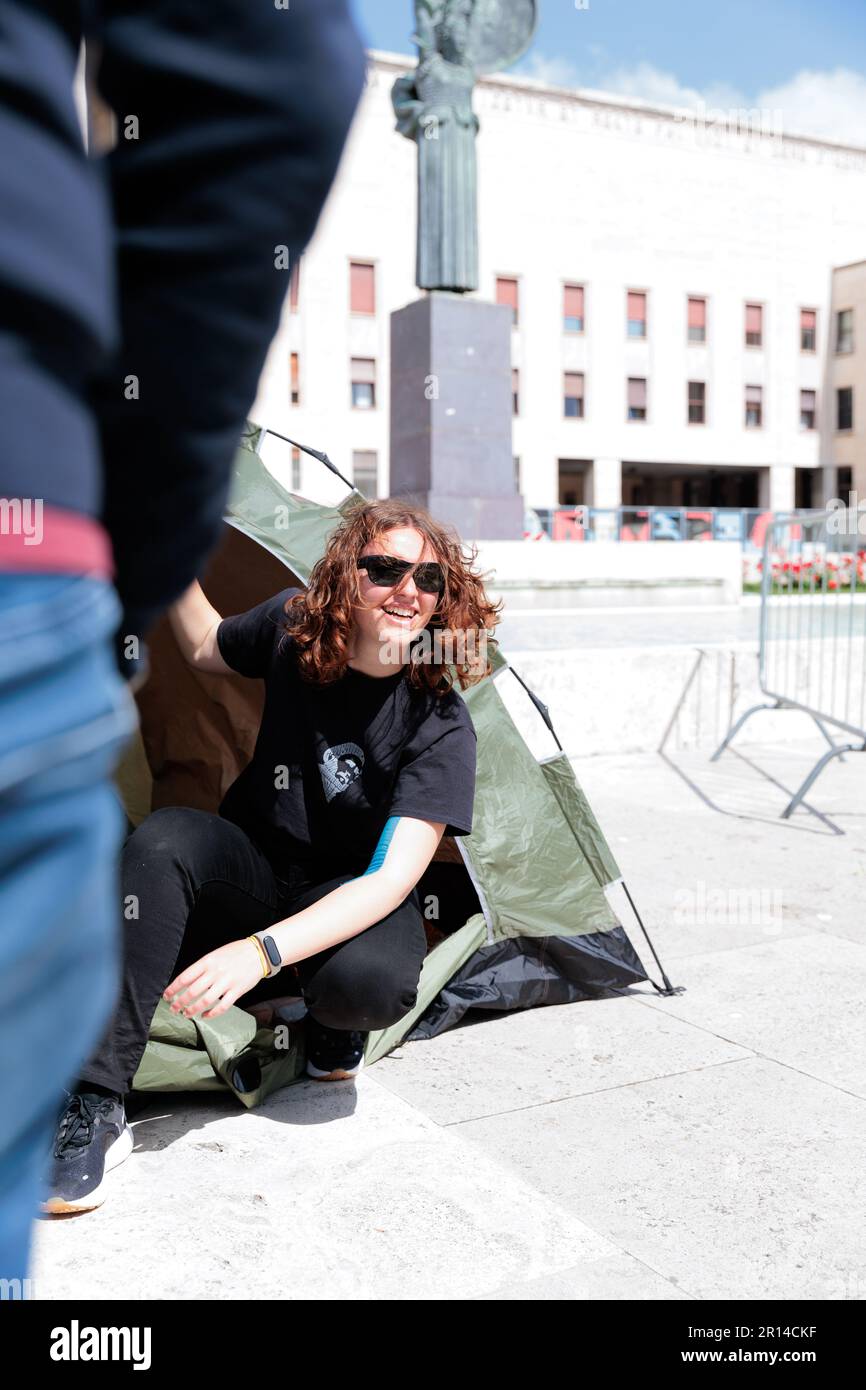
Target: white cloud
556 72
830 105
652 84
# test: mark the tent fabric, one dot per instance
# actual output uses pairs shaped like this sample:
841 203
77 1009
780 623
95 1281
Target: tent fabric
525 848
516 912
526 973
231 1052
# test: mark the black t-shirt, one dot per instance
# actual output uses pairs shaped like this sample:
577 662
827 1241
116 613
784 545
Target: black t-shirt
333 762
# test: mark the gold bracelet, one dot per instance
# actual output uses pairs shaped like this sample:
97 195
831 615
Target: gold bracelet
258 945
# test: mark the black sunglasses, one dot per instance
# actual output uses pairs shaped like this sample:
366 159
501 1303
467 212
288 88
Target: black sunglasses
386 571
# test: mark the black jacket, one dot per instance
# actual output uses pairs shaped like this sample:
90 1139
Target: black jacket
152 271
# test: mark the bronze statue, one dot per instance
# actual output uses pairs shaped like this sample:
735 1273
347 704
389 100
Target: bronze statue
457 40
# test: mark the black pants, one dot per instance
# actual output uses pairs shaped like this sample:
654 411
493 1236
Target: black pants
196 882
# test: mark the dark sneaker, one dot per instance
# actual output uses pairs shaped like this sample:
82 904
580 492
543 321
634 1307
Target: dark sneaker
92 1138
332 1053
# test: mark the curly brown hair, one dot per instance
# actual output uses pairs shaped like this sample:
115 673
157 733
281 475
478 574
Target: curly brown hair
321 619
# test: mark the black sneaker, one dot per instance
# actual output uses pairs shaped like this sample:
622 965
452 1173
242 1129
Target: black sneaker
332 1053
92 1138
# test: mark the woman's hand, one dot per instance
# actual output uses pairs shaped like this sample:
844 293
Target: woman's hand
211 985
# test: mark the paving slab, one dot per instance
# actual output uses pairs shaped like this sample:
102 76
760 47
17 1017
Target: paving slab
337 1191
797 1001
617 1278
740 1181
544 1054
708 1145
708 859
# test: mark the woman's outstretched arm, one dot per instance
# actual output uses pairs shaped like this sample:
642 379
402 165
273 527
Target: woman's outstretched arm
405 849
194 622
211 985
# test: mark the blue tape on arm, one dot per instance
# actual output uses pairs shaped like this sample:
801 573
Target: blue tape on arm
382 847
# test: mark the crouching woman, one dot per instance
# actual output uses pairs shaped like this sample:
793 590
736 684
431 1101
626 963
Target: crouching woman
365 757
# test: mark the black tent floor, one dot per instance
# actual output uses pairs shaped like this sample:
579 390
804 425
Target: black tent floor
525 972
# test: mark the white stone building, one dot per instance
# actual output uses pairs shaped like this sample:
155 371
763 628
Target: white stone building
676 327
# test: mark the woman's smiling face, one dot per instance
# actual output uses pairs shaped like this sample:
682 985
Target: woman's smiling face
390 613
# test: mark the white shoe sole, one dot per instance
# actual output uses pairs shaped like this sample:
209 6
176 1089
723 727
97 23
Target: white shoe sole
341 1074
117 1154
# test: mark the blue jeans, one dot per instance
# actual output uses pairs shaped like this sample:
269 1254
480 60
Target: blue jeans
65 714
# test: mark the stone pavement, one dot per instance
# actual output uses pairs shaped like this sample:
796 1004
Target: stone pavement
708 1145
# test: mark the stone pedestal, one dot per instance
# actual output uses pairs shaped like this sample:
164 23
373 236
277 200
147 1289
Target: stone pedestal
451 447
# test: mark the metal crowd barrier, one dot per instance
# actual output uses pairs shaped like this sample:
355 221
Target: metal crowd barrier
812 653
651 523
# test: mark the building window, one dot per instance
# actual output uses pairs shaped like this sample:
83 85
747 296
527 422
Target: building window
515 391
506 293
296 470
754 325
808 329
294 286
636 314
697 320
697 402
845 330
636 398
572 484
807 410
362 287
516 460
573 393
295 383
365 472
754 407
845 408
572 308
363 383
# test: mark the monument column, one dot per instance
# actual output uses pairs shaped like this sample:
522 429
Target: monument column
451 409
451 448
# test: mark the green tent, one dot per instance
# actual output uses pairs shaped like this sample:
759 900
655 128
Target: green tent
518 911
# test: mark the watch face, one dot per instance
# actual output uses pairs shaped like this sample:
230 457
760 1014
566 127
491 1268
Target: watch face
271 947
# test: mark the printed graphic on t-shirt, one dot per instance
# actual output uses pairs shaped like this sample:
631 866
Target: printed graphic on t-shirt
340 767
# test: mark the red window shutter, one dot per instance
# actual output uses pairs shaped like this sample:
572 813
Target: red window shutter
807 400
506 292
754 315
697 313
293 286
636 305
753 395
573 302
295 373
362 293
808 318
364 369
637 392
573 384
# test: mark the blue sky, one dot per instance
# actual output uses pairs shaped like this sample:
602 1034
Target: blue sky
804 57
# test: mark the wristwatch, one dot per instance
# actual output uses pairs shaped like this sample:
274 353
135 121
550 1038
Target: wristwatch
272 955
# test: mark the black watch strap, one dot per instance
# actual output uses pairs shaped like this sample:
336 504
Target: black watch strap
271 950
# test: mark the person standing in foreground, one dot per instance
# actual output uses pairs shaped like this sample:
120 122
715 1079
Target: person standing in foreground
140 296
365 757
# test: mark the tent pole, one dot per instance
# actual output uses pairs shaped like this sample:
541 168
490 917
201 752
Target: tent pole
314 453
669 988
539 705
